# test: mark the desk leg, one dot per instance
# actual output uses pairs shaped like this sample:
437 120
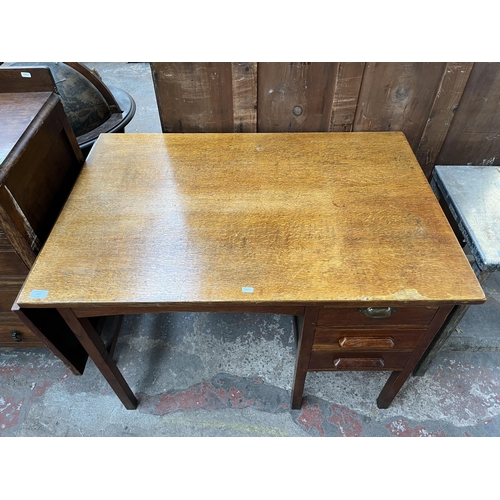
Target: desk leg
398 378
92 343
306 337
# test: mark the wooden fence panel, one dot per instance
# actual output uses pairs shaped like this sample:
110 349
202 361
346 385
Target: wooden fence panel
295 97
345 99
442 113
474 135
449 112
194 97
398 96
244 97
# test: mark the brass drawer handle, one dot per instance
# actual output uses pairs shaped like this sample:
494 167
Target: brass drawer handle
377 312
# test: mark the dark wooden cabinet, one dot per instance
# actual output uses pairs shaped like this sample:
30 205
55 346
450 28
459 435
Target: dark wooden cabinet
39 162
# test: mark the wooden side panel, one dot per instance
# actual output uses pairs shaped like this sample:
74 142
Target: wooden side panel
295 97
442 113
194 97
51 329
398 96
474 135
39 182
244 77
34 79
345 99
12 267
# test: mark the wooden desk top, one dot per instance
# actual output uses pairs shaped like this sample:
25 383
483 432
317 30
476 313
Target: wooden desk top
299 218
16 113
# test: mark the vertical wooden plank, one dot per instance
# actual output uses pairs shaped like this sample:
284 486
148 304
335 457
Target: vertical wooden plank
474 135
345 99
295 97
443 110
244 97
398 96
194 97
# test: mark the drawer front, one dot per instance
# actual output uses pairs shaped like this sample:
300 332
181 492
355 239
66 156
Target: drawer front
375 317
9 322
329 359
340 340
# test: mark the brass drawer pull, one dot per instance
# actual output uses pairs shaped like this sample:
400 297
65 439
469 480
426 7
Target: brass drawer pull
366 342
358 363
377 312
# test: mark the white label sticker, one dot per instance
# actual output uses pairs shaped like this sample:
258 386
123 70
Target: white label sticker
25 74
38 294
247 289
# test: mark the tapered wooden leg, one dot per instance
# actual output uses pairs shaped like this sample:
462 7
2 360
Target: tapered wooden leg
398 378
92 343
306 337
391 388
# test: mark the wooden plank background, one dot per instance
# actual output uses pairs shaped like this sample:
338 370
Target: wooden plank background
449 111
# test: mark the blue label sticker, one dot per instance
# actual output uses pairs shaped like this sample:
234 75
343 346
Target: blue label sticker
38 294
247 289
497 184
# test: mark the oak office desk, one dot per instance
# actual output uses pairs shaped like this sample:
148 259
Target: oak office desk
339 229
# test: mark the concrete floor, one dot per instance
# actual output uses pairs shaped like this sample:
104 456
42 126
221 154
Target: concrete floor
231 374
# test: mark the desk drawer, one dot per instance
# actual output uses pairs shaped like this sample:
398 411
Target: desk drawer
374 317
330 359
8 322
342 340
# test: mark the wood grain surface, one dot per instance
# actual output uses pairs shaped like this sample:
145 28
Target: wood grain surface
398 96
295 97
16 79
194 97
39 161
345 99
473 137
352 338
17 111
443 111
292 218
244 77
447 110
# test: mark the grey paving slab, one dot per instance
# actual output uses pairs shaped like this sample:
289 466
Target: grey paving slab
473 194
